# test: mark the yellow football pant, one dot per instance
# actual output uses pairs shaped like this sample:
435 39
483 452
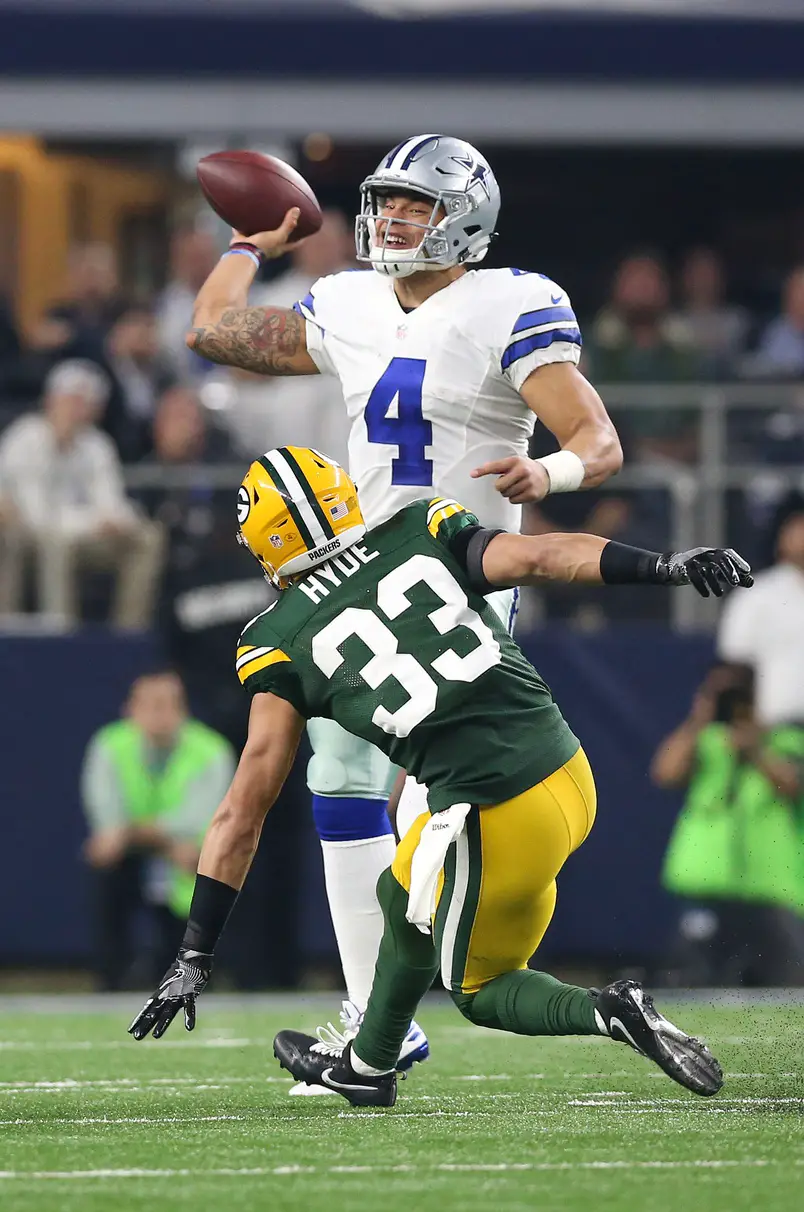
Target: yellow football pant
497 890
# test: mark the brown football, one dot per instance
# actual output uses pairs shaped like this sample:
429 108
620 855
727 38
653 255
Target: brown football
252 192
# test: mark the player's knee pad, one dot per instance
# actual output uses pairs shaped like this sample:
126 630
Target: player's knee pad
349 819
346 765
465 1003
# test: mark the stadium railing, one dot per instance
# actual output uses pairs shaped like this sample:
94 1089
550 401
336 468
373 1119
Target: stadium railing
742 441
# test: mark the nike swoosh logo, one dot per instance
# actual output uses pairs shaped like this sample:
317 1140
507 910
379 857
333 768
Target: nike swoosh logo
326 1080
616 1022
556 298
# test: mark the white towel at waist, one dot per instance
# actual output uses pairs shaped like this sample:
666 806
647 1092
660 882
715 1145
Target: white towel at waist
428 858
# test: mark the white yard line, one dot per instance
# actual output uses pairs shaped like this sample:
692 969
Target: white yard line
86 1045
143 1119
445 1167
682 1102
126 1084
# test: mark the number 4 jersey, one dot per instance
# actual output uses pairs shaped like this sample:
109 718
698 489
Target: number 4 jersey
391 640
434 392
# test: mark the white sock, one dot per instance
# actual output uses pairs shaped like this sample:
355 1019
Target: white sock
363 1069
351 871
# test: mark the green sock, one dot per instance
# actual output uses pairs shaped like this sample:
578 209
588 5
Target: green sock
530 1003
406 966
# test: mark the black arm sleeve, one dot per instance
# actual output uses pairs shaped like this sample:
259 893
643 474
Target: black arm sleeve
623 565
468 547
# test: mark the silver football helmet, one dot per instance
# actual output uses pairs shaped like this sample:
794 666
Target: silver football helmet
466 202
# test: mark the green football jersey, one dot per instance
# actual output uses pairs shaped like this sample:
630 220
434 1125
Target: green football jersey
390 640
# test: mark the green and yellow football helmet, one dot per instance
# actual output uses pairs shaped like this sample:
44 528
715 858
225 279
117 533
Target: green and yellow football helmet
297 508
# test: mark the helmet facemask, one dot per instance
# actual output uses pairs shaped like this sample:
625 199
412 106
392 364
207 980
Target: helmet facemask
433 250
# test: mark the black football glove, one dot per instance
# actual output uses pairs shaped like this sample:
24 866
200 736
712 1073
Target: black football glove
707 569
180 986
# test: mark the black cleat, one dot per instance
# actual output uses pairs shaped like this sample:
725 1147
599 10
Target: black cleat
319 1064
628 1014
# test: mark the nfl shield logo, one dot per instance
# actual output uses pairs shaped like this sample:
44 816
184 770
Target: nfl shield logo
276 540
401 332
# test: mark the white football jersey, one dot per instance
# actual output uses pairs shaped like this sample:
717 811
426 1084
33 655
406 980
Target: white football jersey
434 392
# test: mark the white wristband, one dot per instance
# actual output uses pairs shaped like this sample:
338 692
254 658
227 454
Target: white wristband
565 470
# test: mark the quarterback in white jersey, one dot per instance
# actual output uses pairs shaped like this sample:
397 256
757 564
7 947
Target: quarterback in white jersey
433 394
443 369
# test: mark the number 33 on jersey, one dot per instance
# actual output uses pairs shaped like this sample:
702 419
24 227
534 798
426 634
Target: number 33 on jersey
433 393
390 640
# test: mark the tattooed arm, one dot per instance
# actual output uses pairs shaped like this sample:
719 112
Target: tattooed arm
266 340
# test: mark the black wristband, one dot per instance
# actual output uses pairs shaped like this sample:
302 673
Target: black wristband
211 905
623 565
247 246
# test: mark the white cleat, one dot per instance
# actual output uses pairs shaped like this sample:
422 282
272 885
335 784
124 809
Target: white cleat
415 1047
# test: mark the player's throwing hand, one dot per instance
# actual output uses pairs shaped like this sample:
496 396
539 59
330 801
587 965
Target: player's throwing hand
179 987
520 479
276 243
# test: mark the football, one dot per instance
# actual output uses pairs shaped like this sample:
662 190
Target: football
253 192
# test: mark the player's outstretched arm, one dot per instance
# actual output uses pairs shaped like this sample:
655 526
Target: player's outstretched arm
265 340
274 731
513 559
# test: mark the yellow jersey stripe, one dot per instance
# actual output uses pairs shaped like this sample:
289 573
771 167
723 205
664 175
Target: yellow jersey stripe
244 648
441 515
438 503
260 662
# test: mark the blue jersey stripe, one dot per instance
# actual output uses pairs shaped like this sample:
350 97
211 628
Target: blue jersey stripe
539 340
544 315
308 301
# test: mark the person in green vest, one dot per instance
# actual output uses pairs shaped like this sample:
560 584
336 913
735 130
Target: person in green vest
736 853
150 784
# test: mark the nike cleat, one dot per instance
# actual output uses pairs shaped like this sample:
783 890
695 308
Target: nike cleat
328 1065
415 1047
626 1012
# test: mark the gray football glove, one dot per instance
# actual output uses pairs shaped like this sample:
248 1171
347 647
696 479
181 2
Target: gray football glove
180 986
707 569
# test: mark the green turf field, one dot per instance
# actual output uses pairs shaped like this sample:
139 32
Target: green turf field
91 1120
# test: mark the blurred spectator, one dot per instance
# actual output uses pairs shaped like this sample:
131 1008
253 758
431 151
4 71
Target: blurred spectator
182 432
193 253
764 629
62 500
78 324
262 412
329 251
780 352
636 339
716 329
735 853
209 588
9 349
150 784
138 374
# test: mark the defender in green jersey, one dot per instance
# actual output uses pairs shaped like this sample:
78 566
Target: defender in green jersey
389 634
392 640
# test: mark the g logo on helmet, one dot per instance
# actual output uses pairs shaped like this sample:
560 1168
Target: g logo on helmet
243 504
